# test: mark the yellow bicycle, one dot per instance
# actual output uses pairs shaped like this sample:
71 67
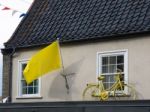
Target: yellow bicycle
118 91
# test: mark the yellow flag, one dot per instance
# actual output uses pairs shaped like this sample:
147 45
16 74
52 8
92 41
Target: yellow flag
46 60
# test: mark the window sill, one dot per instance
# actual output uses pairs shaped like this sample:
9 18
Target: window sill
29 97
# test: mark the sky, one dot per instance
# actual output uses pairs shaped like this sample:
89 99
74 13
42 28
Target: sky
9 20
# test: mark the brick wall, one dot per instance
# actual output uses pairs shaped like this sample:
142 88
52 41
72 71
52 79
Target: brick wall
6 74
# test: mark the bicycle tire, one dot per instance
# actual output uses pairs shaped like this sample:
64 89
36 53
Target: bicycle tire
89 91
128 95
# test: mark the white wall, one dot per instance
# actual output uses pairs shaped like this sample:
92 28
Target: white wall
81 60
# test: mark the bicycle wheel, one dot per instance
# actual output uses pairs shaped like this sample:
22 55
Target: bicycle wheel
127 94
91 93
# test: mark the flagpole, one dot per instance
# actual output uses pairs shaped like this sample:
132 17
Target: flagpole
63 71
60 55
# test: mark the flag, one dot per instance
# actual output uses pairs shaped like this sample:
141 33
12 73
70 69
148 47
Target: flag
23 14
46 60
13 12
6 8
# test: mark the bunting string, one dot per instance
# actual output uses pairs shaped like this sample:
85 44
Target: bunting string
22 14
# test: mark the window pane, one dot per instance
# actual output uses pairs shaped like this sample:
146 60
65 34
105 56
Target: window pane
22 76
108 78
35 90
30 90
121 67
122 77
24 84
108 81
31 84
24 90
112 68
104 69
23 66
120 59
36 82
104 60
112 60
107 85
110 84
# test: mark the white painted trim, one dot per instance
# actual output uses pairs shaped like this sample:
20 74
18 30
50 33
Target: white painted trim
29 97
111 53
20 62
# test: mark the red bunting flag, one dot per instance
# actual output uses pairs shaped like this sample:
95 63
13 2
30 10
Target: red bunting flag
6 8
13 10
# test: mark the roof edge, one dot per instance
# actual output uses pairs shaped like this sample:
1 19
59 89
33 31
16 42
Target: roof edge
100 39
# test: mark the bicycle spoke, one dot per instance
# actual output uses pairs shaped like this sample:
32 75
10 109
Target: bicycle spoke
91 93
127 94
131 95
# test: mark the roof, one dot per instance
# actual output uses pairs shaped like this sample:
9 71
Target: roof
75 20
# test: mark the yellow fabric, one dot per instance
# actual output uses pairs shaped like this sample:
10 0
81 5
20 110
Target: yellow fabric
46 60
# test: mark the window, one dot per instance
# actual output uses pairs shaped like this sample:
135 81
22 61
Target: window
24 89
109 63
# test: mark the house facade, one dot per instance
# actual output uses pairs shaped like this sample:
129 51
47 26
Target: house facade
96 38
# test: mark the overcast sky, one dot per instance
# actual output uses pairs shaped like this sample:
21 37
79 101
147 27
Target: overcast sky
9 22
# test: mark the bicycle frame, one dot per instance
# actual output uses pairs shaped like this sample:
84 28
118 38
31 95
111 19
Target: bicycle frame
117 84
110 91
118 89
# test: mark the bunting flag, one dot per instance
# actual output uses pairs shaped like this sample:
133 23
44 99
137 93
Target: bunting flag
46 60
23 14
6 8
13 10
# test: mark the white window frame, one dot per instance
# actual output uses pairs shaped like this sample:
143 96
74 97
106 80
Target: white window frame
111 53
20 95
